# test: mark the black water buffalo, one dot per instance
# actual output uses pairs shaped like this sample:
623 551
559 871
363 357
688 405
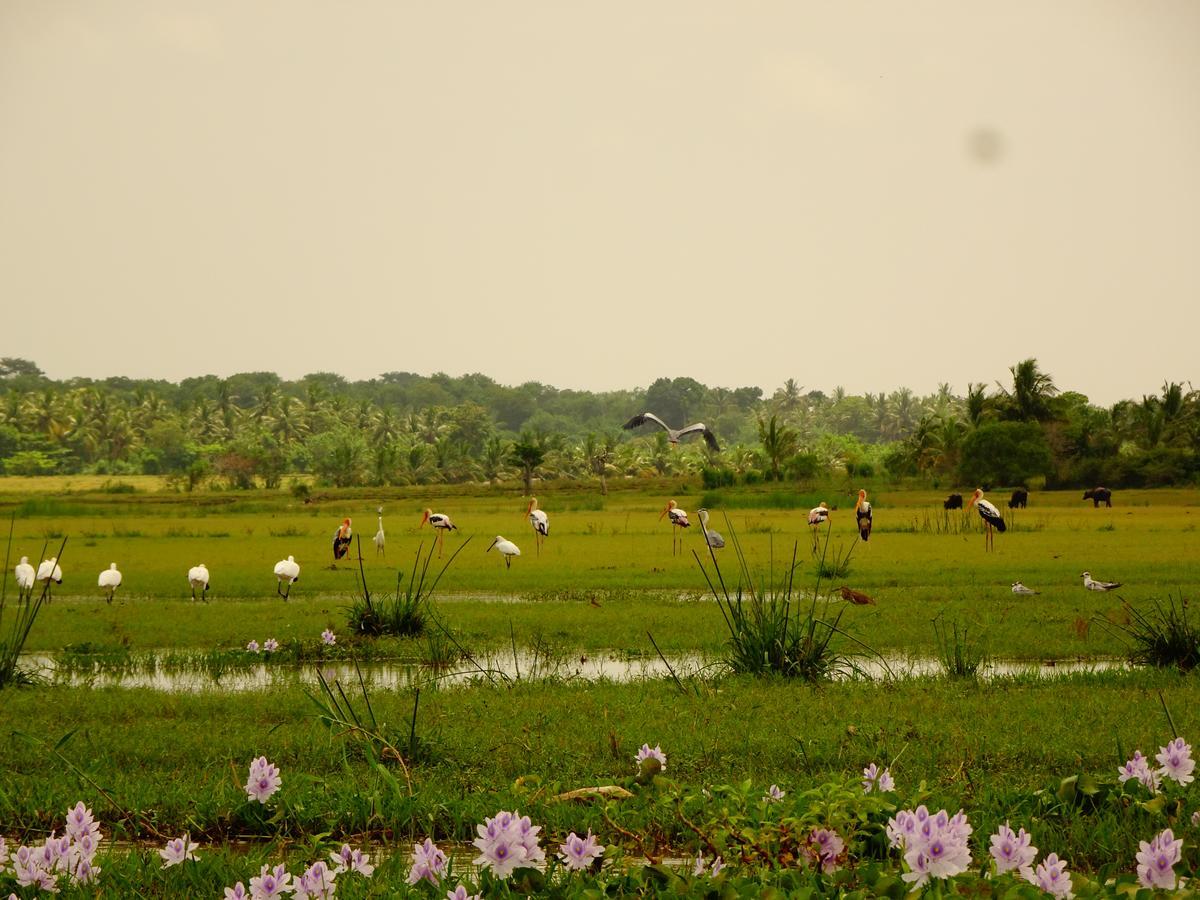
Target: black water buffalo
954 501
1098 495
1019 499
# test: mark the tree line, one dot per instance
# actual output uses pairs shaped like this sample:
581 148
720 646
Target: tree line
256 428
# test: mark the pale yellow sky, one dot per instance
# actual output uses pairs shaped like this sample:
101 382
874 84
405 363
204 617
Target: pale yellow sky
596 195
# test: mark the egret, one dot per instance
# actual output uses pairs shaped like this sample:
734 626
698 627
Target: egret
25 577
540 522
379 534
110 578
341 539
49 571
991 518
674 435
507 549
1018 588
862 514
713 538
679 519
198 578
286 570
441 524
1092 585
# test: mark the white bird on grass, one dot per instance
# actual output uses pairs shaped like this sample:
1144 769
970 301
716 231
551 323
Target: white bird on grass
817 516
198 578
441 524
110 578
713 538
26 575
1092 585
286 570
679 519
862 514
991 518
674 435
49 571
507 549
1018 588
540 522
379 539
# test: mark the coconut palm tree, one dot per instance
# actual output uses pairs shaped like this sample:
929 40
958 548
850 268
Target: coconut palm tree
779 444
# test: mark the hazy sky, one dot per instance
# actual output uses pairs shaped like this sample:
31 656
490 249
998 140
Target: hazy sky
596 195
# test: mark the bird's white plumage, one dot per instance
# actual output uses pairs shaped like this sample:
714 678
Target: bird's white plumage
818 515
110 577
1092 584
379 538
25 573
287 570
507 549
1019 588
198 576
49 570
713 538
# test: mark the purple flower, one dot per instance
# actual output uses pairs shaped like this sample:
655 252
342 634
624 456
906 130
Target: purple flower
237 892
827 846
875 779
1156 860
506 842
349 860
271 883
177 851
646 753
1051 876
774 794
578 853
270 645
80 821
460 893
1176 761
84 872
1138 768
717 865
328 637
252 646
1196 819
933 846
264 780
428 864
1012 851
317 883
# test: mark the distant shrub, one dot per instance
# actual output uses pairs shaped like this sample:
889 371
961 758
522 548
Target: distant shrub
717 477
300 489
118 487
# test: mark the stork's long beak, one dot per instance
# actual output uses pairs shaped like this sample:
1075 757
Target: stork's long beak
858 504
972 503
490 546
424 519
663 513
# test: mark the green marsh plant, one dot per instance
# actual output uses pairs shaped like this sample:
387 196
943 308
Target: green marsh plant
960 654
1162 635
22 614
404 614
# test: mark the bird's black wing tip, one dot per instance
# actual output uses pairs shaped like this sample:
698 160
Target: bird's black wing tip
637 420
711 440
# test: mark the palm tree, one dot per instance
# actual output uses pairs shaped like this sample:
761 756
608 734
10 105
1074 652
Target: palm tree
977 402
527 453
1032 391
599 453
779 444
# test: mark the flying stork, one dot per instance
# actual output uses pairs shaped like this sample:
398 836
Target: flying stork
679 519
441 524
991 518
674 435
540 522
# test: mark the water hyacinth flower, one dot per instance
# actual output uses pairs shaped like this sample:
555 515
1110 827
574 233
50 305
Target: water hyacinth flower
270 883
460 893
647 753
1051 876
237 892
827 847
80 821
774 794
270 645
1176 761
177 851
1012 851
348 860
874 779
934 846
717 865
317 883
579 853
1138 768
508 841
3 852
1156 860
428 863
328 637
252 646
264 780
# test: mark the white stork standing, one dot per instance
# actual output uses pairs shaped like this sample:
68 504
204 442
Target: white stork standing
991 518
817 516
379 538
712 538
679 519
110 579
286 570
507 549
674 435
862 515
26 576
1092 585
198 578
49 571
441 524
540 522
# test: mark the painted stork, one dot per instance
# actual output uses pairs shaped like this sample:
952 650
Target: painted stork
540 522
379 538
441 524
507 549
198 578
674 435
991 518
712 538
679 519
1092 585
110 579
817 516
26 576
862 514
286 570
1018 588
49 571
341 539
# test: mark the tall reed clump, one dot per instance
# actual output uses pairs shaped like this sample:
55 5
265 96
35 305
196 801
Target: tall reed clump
405 612
960 655
772 631
1163 636
23 614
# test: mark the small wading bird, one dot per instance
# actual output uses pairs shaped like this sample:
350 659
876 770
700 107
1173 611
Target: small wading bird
713 538
862 514
49 571
1092 585
198 578
991 518
1019 588
852 596
26 575
679 519
286 570
540 522
110 579
341 539
672 435
507 549
379 538
441 524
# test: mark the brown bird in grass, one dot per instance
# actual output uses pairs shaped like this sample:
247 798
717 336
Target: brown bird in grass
857 597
